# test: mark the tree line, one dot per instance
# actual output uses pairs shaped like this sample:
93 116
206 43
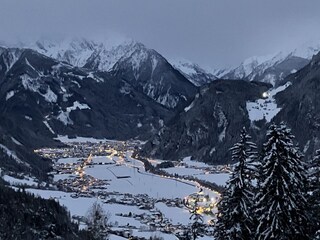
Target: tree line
271 195
25 216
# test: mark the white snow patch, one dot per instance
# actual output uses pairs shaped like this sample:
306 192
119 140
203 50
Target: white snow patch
265 108
184 66
33 85
28 63
76 83
97 79
186 109
222 121
154 62
269 78
66 96
28 118
222 135
306 147
16 141
48 126
20 182
192 163
66 139
29 83
63 89
9 95
137 58
64 118
64 115
76 105
50 96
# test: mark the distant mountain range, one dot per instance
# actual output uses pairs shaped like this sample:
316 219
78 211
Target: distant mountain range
272 68
104 56
126 90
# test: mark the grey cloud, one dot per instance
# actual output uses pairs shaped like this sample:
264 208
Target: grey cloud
211 32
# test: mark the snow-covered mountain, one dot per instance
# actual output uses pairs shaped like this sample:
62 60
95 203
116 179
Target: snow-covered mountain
193 72
149 71
208 127
42 97
273 68
98 55
144 68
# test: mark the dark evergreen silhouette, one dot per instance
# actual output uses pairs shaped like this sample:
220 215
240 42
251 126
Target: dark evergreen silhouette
317 235
235 218
197 228
314 194
24 216
281 200
97 221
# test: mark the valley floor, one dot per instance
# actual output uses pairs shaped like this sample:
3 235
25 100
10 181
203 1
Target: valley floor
139 203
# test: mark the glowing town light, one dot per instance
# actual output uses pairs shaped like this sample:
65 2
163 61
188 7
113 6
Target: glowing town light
265 94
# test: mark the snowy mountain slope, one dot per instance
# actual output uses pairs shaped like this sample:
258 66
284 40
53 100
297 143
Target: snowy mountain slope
206 129
209 125
265 107
275 67
150 72
126 59
7 58
193 72
98 55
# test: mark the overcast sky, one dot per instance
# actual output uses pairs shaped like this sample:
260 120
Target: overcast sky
211 32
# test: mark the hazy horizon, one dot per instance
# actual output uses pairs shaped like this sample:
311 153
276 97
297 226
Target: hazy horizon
208 32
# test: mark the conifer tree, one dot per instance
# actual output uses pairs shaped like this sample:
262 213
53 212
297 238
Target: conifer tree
97 221
235 218
317 235
281 200
197 226
314 193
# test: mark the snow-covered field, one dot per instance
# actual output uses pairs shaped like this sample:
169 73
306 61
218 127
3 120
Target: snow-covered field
266 107
218 178
140 182
79 206
200 171
66 139
27 181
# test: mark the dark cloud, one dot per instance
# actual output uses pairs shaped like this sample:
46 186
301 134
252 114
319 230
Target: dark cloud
210 32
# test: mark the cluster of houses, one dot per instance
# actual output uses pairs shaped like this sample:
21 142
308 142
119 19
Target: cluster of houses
80 149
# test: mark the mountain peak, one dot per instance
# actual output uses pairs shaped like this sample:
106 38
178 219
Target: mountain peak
192 71
273 68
